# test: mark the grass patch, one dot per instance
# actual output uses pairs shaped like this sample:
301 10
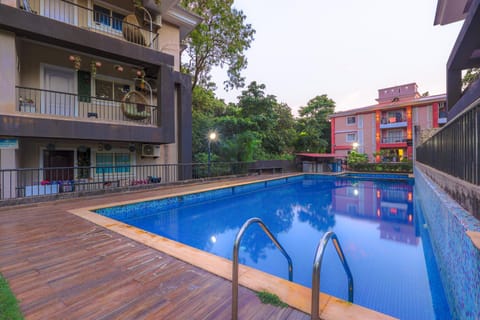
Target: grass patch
9 309
270 298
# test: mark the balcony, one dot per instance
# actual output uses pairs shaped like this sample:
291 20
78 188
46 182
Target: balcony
126 28
73 106
398 121
397 139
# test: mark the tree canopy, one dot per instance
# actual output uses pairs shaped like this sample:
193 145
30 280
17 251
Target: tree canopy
220 40
313 126
258 127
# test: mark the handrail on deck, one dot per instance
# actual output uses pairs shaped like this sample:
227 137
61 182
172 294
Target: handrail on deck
235 259
317 263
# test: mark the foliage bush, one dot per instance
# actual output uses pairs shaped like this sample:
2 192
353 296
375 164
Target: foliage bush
359 162
404 167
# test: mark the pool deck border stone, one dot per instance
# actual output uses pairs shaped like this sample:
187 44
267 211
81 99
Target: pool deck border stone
295 295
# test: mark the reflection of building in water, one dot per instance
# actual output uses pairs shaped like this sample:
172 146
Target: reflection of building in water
390 204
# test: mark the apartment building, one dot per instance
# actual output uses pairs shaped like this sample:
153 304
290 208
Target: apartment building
384 131
87 83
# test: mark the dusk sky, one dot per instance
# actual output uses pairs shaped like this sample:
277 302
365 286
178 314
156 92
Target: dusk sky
346 49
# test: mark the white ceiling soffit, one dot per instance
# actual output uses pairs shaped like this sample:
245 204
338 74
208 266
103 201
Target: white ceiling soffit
449 11
186 20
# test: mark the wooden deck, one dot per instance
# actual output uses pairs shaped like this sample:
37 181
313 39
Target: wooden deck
61 266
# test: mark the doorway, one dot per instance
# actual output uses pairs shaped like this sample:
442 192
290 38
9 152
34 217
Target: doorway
58 97
58 165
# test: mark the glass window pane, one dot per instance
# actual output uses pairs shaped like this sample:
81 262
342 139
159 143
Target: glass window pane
104 163
117 20
103 89
101 15
122 162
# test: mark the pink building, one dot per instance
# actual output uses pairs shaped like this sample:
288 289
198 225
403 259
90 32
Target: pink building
385 129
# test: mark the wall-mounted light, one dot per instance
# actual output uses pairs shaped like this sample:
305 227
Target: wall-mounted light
76 61
118 68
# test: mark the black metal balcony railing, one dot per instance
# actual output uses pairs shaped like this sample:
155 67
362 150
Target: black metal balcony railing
105 21
70 105
34 182
394 139
455 149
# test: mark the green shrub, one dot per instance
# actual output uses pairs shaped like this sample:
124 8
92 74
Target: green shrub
403 167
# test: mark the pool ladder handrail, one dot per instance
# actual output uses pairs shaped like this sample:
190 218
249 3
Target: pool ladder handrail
317 264
235 259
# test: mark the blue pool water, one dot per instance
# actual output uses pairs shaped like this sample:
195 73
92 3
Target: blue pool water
380 228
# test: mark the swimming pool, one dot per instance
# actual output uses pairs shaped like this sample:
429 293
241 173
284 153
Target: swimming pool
380 229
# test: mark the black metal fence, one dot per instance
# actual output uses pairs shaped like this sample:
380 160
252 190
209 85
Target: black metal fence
35 182
31 100
455 148
99 19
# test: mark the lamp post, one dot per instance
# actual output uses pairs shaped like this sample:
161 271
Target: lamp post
212 136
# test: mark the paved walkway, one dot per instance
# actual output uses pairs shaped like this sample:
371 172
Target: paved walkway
61 266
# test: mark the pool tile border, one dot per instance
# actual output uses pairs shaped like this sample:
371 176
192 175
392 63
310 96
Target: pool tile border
293 294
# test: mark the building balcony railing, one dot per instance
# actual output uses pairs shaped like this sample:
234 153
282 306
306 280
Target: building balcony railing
393 122
37 182
47 102
401 139
117 26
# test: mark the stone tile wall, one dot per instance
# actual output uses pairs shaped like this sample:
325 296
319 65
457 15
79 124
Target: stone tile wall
457 257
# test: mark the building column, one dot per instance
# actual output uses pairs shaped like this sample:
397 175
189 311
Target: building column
378 118
8 72
409 131
8 180
332 135
435 114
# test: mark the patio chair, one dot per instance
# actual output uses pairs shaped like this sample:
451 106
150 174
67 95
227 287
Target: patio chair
134 106
131 30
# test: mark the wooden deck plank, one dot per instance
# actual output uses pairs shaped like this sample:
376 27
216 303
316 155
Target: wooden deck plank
61 266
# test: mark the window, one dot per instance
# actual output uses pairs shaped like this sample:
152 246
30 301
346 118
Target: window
107 17
351 137
351 120
118 162
394 136
111 89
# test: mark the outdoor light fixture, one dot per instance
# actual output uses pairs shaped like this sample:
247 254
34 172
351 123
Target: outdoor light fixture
355 145
76 61
212 136
118 68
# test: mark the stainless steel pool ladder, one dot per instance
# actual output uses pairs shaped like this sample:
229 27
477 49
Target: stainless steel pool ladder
235 259
317 264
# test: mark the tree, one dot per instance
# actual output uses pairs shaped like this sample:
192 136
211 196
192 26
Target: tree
313 127
221 39
273 122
